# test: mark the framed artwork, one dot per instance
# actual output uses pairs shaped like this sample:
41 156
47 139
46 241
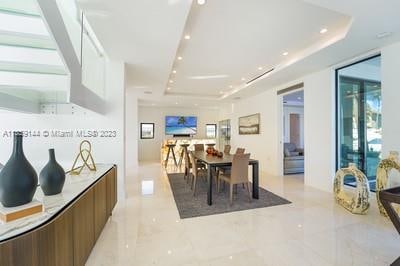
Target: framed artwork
249 125
147 130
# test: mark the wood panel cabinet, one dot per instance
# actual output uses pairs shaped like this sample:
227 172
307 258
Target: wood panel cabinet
68 238
83 224
111 190
100 206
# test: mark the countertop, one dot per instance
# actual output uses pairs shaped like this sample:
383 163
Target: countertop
52 205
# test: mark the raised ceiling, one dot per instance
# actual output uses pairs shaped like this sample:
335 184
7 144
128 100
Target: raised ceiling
230 40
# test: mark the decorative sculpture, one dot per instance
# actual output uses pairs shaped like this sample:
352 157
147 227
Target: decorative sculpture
52 176
85 154
18 179
359 202
382 177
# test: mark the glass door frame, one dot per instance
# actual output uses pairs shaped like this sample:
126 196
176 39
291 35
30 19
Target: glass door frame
361 123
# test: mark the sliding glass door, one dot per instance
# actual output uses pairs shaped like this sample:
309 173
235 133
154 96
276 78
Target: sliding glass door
359 126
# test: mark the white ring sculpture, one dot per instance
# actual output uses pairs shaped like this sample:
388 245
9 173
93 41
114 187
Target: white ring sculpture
359 202
382 176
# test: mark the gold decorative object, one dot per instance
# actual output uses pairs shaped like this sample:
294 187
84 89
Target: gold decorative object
382 176
85 154
359 202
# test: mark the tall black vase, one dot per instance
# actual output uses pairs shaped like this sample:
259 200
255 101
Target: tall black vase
18 179
52 176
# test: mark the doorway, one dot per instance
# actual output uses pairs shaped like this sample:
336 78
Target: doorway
293 132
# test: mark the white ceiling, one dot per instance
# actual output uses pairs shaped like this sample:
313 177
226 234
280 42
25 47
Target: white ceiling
143 33
231 39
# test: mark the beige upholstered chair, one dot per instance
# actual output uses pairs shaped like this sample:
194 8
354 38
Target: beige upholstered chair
227 169
238 175
188 165
240 151
198 147
227 149
196 171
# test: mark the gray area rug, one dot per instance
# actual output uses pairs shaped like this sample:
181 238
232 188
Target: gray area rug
189 206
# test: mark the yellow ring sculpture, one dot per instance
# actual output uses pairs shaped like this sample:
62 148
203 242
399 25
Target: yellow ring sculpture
88 152
382 177
359 202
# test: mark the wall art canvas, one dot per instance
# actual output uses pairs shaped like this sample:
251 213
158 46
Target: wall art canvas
249 125
147 130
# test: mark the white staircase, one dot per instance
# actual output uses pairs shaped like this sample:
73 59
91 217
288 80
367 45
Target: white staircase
31 69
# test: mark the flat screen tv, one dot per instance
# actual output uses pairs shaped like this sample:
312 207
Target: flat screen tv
180 125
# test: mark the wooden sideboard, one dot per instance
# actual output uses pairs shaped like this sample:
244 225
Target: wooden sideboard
68 237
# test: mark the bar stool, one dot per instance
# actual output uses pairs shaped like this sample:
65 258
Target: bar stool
171 147
184 152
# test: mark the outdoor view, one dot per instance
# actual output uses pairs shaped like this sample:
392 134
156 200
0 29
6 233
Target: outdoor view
360 118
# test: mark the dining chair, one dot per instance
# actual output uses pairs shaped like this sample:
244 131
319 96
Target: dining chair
188 165
227 169
198 147
227 149
240 151
239 174
196 172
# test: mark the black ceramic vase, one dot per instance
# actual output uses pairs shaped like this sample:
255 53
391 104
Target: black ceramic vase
52 176
18 179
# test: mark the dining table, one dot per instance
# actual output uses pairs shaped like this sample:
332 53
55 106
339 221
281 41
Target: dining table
212 162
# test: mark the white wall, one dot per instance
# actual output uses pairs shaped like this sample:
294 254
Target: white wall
105 150
390 99
287 110
149 149
264 146
131 132
318 129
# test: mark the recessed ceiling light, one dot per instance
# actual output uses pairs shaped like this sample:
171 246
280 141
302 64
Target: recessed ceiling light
260 68
174 71
180 57
171 81
176 103
243 79
201 2
230 86
285 53
196 104
169 88
187 37
324 30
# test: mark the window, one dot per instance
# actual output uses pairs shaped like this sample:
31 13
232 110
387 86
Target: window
147 130
211 131
359 117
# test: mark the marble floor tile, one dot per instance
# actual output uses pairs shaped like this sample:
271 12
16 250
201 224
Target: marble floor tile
145 229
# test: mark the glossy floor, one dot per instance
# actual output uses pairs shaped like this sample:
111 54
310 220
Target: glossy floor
145 229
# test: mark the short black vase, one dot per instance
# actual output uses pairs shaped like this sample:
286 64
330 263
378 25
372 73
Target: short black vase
52 176
18 179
